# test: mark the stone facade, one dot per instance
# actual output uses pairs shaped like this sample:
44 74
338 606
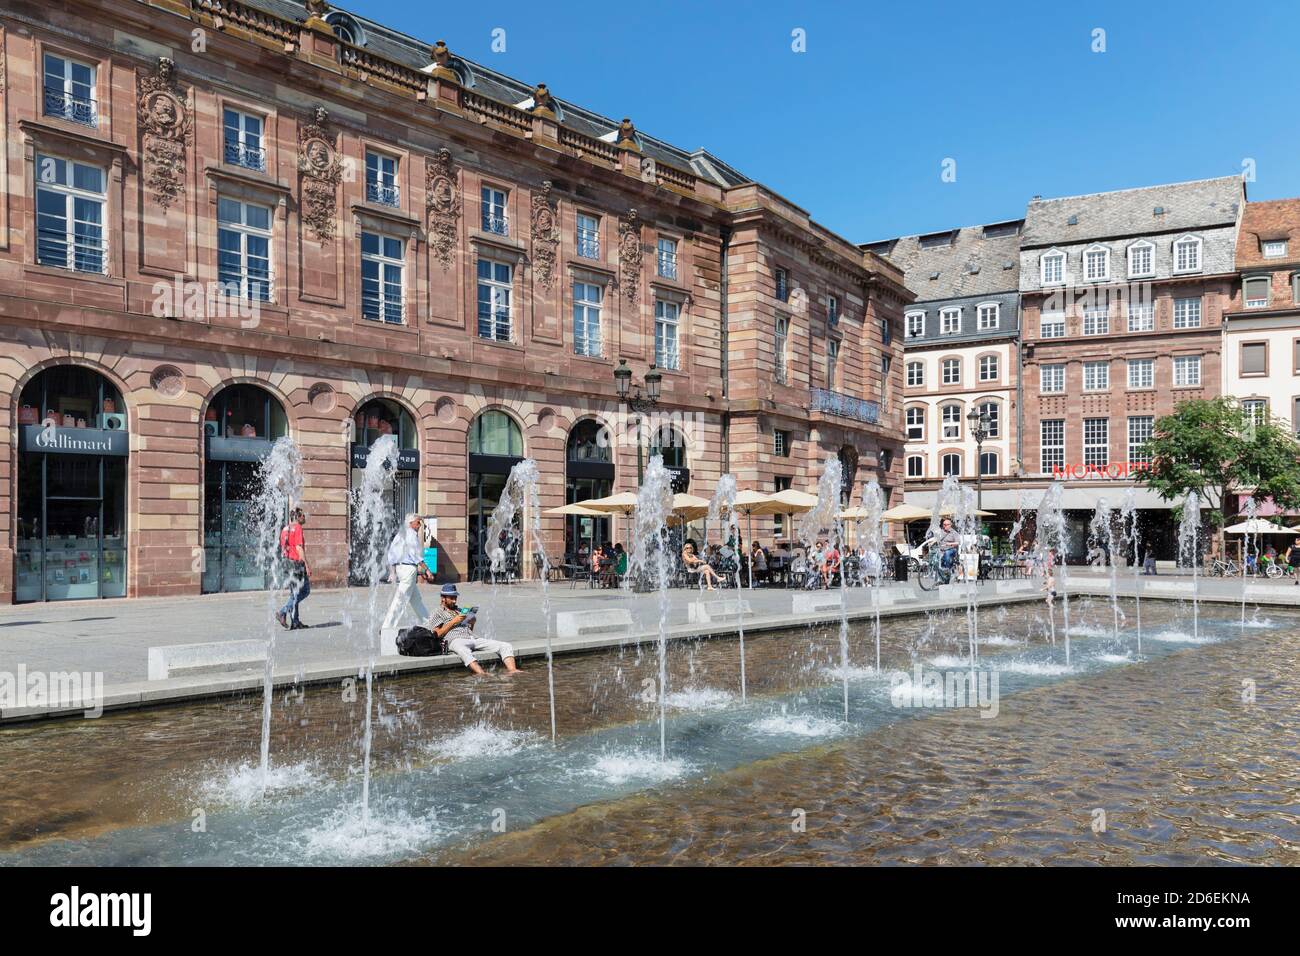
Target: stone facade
145 317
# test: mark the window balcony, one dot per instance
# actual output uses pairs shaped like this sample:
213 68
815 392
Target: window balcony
494 324
76 251
668 358
385 194
498 225
588 245
245 156
667 264
76 109
846 406
379 308
255 286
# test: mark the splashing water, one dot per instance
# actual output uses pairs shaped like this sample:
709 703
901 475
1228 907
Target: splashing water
825 515
1102 535
279 484
873 503
1128 516
723 506
1189 547
649 560
1250 509
1051 546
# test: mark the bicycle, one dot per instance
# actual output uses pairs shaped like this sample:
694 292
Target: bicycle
1224 569
929 575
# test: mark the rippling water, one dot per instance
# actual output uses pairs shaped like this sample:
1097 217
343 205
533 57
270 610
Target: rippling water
1185 771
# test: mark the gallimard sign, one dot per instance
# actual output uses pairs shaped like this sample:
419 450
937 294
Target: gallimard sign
75 441
1116 469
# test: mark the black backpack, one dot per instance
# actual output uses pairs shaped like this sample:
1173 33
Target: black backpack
419 641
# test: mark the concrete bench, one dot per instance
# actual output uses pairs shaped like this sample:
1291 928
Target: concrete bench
165 661
1014 587
1179 588
813 602
603 621
709 612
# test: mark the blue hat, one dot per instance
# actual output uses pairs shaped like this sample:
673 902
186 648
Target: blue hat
449 590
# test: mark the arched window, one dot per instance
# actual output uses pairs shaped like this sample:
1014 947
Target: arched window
915 466
991 412
989 463
589 441
669 443
383 416
346 28
496 433
952 465
589 473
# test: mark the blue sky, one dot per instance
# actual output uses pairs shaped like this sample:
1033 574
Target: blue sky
857 128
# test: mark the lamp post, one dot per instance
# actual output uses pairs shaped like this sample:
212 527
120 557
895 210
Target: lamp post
979 427
631 396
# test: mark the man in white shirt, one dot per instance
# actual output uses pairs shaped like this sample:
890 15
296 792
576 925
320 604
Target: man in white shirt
406 558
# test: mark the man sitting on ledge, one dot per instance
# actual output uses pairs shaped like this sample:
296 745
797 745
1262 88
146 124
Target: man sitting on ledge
456 626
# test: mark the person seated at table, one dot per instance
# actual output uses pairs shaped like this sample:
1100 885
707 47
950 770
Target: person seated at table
620 560
758 561
606 559
830 565
695 565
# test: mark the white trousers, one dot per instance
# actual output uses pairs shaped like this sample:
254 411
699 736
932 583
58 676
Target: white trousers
464 648
408 593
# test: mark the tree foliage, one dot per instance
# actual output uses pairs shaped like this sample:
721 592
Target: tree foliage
1214 447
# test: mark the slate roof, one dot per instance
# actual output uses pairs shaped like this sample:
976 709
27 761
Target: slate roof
1199 204
414 53
970 261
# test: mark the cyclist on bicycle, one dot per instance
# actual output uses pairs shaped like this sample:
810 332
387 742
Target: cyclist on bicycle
945 540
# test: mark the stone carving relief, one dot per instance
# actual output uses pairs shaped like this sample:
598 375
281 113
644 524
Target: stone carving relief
629 254
546 236
165 127
443 207
321 170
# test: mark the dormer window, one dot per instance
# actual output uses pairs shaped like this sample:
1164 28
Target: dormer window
346 28
1096 263
1275 249
988 316
1187 254
915 325
1255 291
1141 259
1053 267
949 321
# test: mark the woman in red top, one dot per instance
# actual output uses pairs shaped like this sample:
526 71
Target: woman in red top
294 551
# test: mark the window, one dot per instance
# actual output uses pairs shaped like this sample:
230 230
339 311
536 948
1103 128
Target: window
70 90
832 362
382 261
1052 443
1096 321
951 420
666 258
951 371
1052 379
832 310
989 316
1141 317
780 483
952 465
782 279
242 140
1255 411
1141 259
666 316
495 280
1096 376
1096 263
988 411
1254 358
244 249
1187 370
1187 313
588 236
1141 373
70 204
1187 255
950 321
915 374
586 319
1274 248
915 324
989 463
988 368
496 433
381 179
1053 267
1295 288
493 203
915 466
916 423
886 331
1052 325
1255 291
1096 441
1140 430
781 443
782 337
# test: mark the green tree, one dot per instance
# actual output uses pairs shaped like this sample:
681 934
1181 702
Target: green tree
1215 447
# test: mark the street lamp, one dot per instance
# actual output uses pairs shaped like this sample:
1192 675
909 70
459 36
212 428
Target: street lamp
979 427
630 395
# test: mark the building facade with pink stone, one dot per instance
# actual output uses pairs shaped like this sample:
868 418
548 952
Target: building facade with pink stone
223 223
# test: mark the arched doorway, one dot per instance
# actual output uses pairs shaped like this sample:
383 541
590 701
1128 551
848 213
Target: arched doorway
72 453
848 456
378 417
588 473
239 428
496 444
669 443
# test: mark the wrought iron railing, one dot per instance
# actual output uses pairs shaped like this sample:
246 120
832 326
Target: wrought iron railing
846 406
249 157
386 194
77 109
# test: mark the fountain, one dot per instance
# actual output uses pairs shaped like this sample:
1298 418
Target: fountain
279 487
372 520
826 515
723 506
873 503
1128 513
520 496
1188 546
1102 535
649 559
1054 536
1250 508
